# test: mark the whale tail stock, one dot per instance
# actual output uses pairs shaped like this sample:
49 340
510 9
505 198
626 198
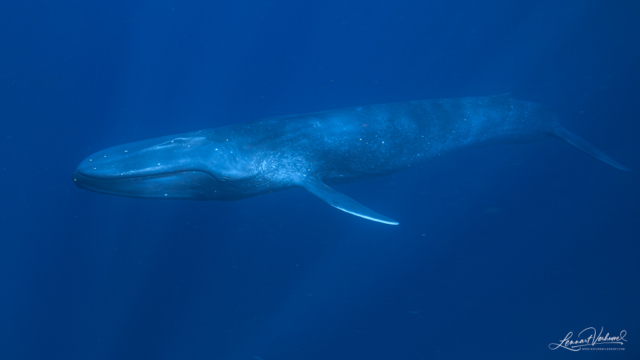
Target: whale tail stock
582 145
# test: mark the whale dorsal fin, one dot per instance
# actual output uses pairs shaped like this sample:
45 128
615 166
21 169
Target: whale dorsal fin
343 202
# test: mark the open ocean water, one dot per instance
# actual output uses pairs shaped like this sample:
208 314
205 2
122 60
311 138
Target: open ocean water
500 252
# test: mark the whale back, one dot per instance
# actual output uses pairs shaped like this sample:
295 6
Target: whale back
361 142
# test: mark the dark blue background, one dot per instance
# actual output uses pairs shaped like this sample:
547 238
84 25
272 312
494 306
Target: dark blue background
500 251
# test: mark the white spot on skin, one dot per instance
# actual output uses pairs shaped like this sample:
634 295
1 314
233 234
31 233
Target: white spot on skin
90 159
158 163
105 156
126 151
165 194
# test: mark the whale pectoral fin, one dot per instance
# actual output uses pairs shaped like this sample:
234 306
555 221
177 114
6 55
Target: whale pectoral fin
344 203
582 145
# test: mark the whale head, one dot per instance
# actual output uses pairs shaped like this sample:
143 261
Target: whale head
195 166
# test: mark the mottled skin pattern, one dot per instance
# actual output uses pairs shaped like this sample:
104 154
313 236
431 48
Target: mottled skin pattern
363 142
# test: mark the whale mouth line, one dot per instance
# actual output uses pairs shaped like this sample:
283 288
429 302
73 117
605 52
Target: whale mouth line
143 177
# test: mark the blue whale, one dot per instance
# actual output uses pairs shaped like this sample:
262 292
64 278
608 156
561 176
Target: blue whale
313 150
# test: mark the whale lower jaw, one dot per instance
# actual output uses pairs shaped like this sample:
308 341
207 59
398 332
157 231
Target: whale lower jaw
185 185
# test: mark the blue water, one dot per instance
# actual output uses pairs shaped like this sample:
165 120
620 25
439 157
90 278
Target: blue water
500 251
